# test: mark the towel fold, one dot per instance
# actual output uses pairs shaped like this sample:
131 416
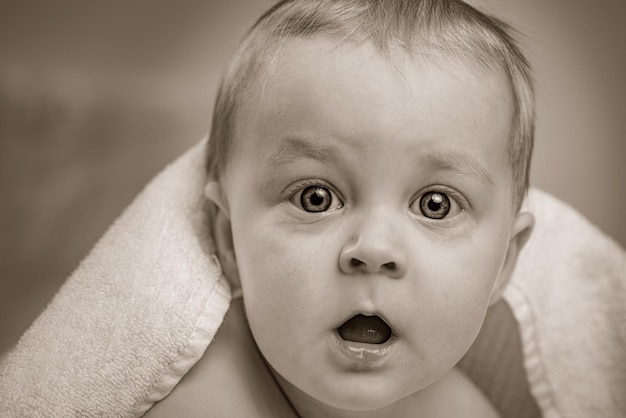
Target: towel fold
132 319
144 305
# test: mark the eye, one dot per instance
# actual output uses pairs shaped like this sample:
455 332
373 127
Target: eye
316 199
437 205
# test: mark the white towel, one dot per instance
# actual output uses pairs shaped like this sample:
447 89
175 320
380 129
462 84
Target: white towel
568 294
146 302
133 318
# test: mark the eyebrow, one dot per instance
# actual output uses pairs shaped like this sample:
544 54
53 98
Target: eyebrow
293 148
460 163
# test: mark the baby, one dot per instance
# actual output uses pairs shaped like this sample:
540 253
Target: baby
367 162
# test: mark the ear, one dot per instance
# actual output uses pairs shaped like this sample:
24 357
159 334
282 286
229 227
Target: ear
522 228
222 232
213 192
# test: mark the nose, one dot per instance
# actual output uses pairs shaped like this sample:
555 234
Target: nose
375 249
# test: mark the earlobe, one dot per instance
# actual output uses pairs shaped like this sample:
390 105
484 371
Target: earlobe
521 231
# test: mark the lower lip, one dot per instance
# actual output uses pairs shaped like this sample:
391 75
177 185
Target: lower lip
367 355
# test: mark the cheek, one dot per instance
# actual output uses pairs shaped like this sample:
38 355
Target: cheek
455 290
273 269
285 278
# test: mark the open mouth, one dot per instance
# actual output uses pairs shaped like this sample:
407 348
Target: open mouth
365 329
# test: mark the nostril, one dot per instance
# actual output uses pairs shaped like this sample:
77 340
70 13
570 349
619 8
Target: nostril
390 266
387 268
356 262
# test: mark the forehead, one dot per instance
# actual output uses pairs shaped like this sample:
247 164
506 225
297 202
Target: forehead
349 93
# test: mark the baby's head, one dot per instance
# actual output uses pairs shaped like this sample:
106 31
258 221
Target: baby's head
368 159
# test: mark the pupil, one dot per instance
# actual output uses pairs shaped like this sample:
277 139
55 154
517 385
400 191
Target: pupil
434 206
317 198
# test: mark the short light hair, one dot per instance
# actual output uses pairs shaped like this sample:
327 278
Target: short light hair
415 26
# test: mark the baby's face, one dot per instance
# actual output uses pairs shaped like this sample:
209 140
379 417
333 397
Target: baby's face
371 212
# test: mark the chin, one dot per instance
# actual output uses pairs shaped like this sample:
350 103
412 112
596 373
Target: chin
360 393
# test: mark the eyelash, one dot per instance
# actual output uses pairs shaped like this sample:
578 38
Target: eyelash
461 200
302 184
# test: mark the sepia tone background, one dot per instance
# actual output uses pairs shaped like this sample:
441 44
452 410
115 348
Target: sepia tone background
96 97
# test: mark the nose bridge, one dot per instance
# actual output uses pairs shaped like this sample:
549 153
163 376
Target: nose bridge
375 244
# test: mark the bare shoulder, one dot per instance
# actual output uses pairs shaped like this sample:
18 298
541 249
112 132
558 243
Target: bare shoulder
463 398
231 379
454 395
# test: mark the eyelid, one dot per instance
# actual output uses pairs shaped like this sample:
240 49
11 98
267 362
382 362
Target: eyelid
301 184
450 192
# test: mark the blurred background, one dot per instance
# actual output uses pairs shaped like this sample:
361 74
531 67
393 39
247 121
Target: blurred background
96 97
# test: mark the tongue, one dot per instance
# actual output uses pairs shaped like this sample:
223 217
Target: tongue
365 329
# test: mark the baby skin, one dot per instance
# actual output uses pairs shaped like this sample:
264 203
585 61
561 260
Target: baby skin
367 212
